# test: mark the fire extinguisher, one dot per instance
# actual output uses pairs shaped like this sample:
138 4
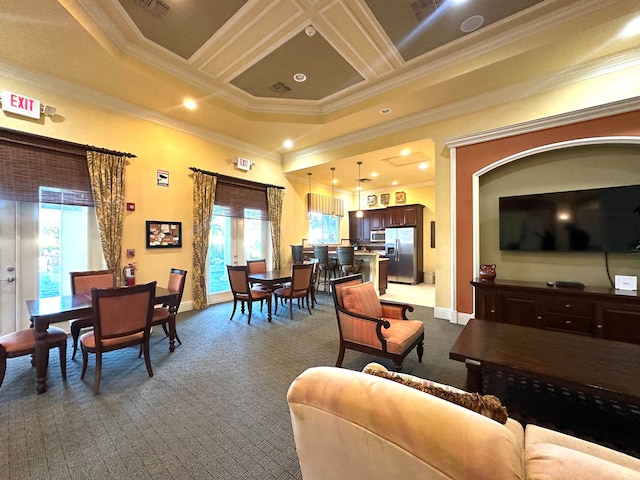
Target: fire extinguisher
129 273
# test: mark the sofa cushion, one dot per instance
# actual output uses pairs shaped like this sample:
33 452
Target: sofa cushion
487 405
545 461
361 298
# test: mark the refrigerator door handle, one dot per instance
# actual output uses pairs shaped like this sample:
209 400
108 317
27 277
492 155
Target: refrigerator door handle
397 250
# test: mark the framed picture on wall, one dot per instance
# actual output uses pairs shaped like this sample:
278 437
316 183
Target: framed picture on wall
372 200
385 198
401 197
163 234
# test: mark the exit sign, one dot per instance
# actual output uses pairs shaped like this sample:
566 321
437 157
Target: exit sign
244 164
20 105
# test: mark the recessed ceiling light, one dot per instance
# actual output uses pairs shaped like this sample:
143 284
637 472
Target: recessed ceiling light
374 174
472 23
385 111
423 166
405 152
632 28
190 104
287 144
394 183
300 77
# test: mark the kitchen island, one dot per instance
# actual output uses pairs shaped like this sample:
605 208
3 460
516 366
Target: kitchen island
374 269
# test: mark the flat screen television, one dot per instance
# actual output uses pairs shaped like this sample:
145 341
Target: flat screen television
594 220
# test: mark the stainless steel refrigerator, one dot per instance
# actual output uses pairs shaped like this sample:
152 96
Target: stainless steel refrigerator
400 248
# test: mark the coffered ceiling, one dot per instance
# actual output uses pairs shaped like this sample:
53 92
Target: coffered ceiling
367 64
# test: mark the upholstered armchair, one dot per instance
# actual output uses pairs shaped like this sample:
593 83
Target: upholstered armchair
370 326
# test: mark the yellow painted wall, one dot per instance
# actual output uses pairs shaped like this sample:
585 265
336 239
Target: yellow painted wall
156 147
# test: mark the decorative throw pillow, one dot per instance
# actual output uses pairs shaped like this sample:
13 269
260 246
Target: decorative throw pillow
487 405
362 299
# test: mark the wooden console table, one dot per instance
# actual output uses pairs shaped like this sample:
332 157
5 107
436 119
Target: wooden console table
575 383
598 312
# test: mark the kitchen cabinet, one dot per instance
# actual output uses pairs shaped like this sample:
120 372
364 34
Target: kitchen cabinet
597 312
381 218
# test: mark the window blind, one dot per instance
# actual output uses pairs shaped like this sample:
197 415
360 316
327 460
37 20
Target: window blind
240 201
30 162
325 205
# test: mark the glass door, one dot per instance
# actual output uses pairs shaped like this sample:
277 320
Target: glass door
233 241
18 263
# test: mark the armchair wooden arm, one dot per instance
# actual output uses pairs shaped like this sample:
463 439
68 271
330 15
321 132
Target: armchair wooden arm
395 309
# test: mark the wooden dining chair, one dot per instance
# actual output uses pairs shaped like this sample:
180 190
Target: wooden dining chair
161 314
242 291
83 282
23 342
258 266
300 287
121 318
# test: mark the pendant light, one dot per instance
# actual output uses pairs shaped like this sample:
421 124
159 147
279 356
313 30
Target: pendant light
333 191
309 197
359 213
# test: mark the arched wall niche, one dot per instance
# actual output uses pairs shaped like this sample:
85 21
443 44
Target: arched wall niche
473 162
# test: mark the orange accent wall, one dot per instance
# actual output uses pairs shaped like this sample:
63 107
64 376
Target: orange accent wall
471 158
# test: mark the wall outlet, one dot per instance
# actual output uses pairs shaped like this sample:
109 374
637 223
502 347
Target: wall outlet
626 282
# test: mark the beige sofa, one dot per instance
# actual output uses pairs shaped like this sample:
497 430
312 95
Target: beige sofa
352 425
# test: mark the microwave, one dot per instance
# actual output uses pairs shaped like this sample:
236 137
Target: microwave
377 236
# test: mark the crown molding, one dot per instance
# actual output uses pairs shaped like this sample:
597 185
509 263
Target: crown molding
117 105
582 115
480 102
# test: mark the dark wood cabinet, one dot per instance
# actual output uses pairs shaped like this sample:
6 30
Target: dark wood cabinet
597 312
356 229
382 276
381 218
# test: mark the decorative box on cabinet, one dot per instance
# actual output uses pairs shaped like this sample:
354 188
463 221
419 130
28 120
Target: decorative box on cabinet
598 312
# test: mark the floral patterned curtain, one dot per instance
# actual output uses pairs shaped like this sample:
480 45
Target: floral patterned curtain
204 194
274 206
106 173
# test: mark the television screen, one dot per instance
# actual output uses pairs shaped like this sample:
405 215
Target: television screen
594 220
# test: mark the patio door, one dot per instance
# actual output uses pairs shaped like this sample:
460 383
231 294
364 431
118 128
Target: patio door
18 263
233 241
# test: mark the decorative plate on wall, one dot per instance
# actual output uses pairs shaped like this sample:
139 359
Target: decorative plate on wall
372 200
384 198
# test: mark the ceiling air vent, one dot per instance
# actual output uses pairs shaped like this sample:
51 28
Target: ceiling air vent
158 8
423 8
280 88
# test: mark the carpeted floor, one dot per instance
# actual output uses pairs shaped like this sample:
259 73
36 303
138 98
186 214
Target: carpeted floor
215 408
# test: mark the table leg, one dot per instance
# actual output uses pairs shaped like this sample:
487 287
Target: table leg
269 298
474 376
172 328
41 355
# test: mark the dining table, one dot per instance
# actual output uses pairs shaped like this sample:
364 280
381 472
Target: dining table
270 281
45 311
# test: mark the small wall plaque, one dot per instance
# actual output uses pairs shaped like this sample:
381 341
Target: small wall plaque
384 198
372 200
401 197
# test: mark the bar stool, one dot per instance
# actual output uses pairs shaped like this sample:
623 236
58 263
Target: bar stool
346 260
326 266
296 254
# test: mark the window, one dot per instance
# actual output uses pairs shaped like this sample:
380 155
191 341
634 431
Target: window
324 218
68 241
324 228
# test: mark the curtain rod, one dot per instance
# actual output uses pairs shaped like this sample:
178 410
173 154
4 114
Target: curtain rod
110 152
230 179
30 139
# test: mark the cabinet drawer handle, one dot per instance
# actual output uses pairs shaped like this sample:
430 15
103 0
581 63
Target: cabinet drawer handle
568 322
493 310
568 305
600 326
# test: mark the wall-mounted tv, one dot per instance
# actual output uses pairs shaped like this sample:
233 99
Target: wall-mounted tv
594 220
